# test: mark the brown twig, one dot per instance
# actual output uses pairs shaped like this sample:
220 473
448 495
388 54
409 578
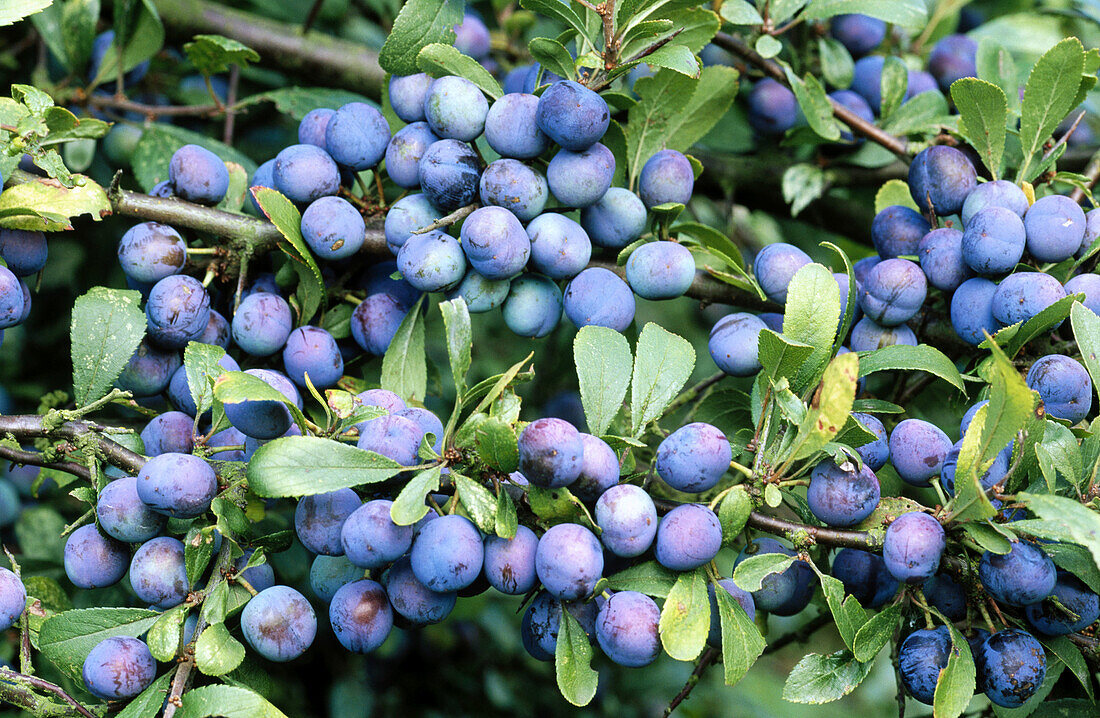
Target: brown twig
1092 171
1065 136
116 102
821 535
29 426
710 655
33 458
824 536
312 16
46 686
800 634
230 101
323 58
739 47
453 218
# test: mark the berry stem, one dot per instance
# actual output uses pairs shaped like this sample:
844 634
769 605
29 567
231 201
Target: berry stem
739 47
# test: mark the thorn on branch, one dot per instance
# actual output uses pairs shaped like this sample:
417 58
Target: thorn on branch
453 218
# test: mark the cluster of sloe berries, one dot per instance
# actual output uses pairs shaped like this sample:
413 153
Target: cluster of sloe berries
514 250
773 108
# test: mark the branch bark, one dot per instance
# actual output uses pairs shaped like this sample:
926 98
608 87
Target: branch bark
32 426
739 47
33 458
15 689
316 55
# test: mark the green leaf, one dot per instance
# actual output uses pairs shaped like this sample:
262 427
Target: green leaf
1086 330
573 662
604 366
141 33
496 445
675 111
68 31
225 600
733 513
1009 408
1059 452
955 686
801 185
677 58
663 362
837 65
235 387
15 10
768 47
160 141
685 617
1018 335
404 366
988 536
995 64
875 633
906 358
906 13
200 361
288 220
420 23
983 110
894 83
478 501
149 702
66 639
1069 517
409 506
456 320
1050 94
830 408
847 612
811 316
894 192
507 521
928 109
226 702
753 570
554 505
815 105
46 205
553 56
198 549
650 578
238 189
164 637
742 643
306 465
1073 558
1068 652
740 12
211 54
779 11
821 679
38 531
563 12
779 356
107 328
217 652
439 59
